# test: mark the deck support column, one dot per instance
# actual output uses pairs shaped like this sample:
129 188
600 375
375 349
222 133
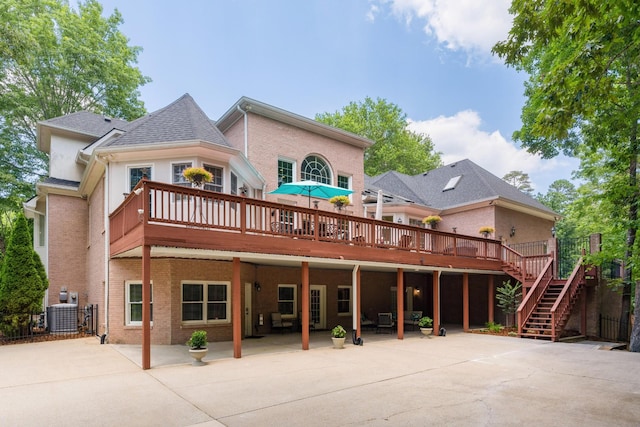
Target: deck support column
146 307
436 302
355 282
305 305
236 306
491 298
583 314
400 305
465 301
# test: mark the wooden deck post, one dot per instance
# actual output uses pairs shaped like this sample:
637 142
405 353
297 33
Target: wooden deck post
358 303
236 306
436 302
491 297
146 307
465 301
305 305
400 305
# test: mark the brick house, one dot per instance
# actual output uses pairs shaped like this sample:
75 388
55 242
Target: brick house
116 214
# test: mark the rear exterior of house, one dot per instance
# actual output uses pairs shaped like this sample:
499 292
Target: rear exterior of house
213 258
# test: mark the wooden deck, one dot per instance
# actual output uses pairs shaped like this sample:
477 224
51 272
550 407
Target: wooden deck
164 215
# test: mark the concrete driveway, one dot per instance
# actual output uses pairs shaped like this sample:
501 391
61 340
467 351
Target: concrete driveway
461 379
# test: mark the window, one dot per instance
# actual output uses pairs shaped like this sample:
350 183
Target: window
134 303
233 183
178 178
343 181
41 230
216 183
315 169
136 173
287 300
344 300
285 172
206 302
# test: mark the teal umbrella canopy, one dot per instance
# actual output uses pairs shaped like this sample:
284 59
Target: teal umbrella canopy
311 189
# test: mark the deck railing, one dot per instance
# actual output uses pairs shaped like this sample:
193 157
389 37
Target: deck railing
533 296
562 306
175 206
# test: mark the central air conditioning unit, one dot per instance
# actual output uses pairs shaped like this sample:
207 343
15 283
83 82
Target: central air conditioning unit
63 318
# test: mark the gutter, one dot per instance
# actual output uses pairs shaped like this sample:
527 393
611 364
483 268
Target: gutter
246 142
106 248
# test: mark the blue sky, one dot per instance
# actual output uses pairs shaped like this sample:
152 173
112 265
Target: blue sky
430 57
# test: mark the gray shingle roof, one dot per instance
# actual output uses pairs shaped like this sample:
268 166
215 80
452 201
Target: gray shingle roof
86 122
182 120
61 182
475 184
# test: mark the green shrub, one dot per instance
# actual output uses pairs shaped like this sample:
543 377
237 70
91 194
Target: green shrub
338 332
494 327
425 322
198 340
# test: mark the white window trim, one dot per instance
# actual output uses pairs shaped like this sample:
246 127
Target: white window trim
350 300
294 167
134 166
127 305
295 300
181 162
204 320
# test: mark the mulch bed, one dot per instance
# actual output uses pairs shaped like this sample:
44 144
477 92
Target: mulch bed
504 332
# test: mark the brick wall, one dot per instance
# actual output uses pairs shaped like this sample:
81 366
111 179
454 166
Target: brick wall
268 139
67 246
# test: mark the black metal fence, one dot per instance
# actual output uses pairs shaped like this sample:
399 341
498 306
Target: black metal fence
569 252
531 248
59 321
614 328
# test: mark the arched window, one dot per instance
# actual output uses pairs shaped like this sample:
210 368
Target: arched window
315 169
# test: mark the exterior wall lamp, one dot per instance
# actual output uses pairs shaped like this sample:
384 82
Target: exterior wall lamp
513 231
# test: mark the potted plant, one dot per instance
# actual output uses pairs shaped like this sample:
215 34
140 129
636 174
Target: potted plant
486 230
197 175
198 346
426 325
432 220
338 335
340 201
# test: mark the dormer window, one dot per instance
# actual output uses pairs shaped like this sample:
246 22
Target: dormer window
452 183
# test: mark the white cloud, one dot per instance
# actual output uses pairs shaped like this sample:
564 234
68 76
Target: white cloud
472 26
460 137
372 12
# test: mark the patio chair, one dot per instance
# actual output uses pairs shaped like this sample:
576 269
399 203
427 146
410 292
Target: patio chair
278 324
385 322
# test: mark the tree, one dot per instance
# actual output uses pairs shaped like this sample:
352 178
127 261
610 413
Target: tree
508 297
559 198
520 180
396 147
55 60
582 94
21 284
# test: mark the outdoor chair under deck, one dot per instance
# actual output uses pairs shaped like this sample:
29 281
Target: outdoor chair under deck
278 324
385 322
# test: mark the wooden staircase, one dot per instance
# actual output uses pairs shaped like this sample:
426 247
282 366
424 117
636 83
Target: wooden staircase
548 301
538 325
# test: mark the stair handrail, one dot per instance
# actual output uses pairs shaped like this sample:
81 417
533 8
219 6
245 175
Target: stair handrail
531 299
515 259
569 290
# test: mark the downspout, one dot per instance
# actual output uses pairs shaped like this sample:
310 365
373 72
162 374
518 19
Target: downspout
246 141
106 249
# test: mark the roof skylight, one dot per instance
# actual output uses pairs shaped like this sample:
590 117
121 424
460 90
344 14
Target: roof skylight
452 183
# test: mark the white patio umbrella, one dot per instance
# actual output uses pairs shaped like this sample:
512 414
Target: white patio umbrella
379 203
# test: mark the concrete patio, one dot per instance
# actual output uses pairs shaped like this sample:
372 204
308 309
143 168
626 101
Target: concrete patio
461 379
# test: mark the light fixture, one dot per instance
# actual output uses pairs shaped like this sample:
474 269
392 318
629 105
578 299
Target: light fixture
257 286
315 203
454 229
553 231
244 189
513 231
